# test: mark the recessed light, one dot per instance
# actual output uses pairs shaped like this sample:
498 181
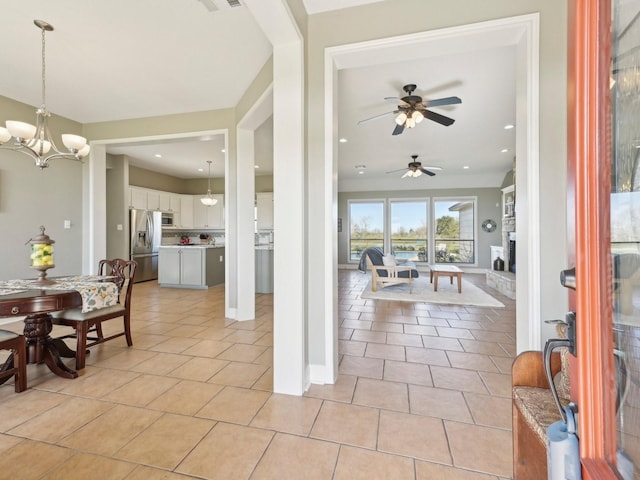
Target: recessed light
201 169
157 155
504 150
509 126
223 151
466 167
343 140
256 166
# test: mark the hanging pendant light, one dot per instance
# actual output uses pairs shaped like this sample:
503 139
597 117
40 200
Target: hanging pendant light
36 141
209 200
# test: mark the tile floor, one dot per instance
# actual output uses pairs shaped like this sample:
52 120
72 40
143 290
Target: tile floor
423 393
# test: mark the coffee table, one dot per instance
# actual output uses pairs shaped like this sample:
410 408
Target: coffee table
447 271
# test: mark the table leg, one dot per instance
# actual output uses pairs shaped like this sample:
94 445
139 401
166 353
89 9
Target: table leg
7 365
459 276
435 282
450 279
42 348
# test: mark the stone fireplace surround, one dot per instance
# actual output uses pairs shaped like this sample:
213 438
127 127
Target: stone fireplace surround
504 282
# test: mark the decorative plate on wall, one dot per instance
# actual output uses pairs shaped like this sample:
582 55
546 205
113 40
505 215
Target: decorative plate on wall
489 225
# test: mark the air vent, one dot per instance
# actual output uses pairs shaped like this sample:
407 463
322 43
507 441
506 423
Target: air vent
234 3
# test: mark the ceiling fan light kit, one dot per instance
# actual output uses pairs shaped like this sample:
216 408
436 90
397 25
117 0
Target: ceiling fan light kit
35 140
415 169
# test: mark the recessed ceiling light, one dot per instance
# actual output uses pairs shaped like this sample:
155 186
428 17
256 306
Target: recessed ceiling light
201 169
256 166
343 140
504 150
466 167
223 151
509 126
157 155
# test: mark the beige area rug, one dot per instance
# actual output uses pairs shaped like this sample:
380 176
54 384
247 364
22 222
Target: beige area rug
422 291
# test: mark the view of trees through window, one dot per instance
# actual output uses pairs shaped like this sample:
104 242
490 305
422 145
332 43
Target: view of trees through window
455 227
406 232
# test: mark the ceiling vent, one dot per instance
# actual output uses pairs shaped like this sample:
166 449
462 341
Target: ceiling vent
219 5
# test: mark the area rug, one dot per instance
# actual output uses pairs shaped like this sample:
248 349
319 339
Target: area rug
422 291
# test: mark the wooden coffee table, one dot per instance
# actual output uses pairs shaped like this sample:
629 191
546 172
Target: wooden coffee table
447 271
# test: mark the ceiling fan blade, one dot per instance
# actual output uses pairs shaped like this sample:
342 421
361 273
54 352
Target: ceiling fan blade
397 101
436 117
428 172
398 170
375 117
398 130
209 5
437 169
439 102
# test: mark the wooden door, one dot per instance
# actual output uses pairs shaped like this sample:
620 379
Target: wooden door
603 152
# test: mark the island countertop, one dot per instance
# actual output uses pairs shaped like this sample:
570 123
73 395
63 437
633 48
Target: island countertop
192 245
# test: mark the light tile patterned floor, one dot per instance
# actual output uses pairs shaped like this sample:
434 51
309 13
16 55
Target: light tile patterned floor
423 394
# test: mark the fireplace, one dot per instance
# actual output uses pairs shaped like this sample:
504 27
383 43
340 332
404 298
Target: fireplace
512 252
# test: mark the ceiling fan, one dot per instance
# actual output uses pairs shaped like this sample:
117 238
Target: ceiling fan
415 169
412 110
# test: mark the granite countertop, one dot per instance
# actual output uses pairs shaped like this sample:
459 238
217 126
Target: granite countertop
192 245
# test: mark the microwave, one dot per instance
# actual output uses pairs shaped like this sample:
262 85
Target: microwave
167 219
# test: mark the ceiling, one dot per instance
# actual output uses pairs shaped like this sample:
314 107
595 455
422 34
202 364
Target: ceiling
122 59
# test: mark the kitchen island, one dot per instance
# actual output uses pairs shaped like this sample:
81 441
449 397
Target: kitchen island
190 266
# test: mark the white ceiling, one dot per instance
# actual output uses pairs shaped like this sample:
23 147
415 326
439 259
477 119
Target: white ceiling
133 59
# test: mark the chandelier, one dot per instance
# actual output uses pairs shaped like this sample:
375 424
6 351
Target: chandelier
36 141
209 200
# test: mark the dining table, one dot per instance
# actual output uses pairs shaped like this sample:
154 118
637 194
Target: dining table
36 302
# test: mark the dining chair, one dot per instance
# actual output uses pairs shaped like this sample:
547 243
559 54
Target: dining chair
91 322
16 365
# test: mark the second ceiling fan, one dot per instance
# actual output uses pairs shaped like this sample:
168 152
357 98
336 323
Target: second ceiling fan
415 169
412 110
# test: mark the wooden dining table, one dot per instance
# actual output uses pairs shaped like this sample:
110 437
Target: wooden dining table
36 304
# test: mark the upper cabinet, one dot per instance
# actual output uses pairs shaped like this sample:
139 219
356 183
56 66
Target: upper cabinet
264 208
169 202
208 217
186 211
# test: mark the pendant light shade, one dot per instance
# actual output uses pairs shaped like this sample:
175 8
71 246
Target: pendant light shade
209 200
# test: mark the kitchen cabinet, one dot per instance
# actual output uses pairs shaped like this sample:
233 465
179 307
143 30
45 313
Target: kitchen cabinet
264 270
137 198
186 211
264 208
153 200
190 266
169 202
144 199
208 217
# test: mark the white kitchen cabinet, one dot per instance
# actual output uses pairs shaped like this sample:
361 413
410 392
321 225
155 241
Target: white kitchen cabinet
264 207
186 211
138 198
174 202
190 266
169 202
208 217
153 200
169 266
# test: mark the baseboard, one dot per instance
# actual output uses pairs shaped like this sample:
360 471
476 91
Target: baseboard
319 375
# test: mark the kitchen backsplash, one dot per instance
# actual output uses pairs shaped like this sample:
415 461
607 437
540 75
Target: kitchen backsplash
173 237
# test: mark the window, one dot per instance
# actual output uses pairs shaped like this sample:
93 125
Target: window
409 229
366 226
454 230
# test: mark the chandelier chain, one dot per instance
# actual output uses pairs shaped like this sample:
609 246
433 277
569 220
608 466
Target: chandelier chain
43 71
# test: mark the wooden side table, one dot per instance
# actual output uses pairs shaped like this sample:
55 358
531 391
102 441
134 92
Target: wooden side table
447 271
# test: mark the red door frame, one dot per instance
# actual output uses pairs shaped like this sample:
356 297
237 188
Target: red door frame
589 172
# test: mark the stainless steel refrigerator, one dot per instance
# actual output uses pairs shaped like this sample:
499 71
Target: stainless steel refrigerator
146 235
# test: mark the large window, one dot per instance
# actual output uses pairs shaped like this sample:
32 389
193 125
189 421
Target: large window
366 226
409 238
454 230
